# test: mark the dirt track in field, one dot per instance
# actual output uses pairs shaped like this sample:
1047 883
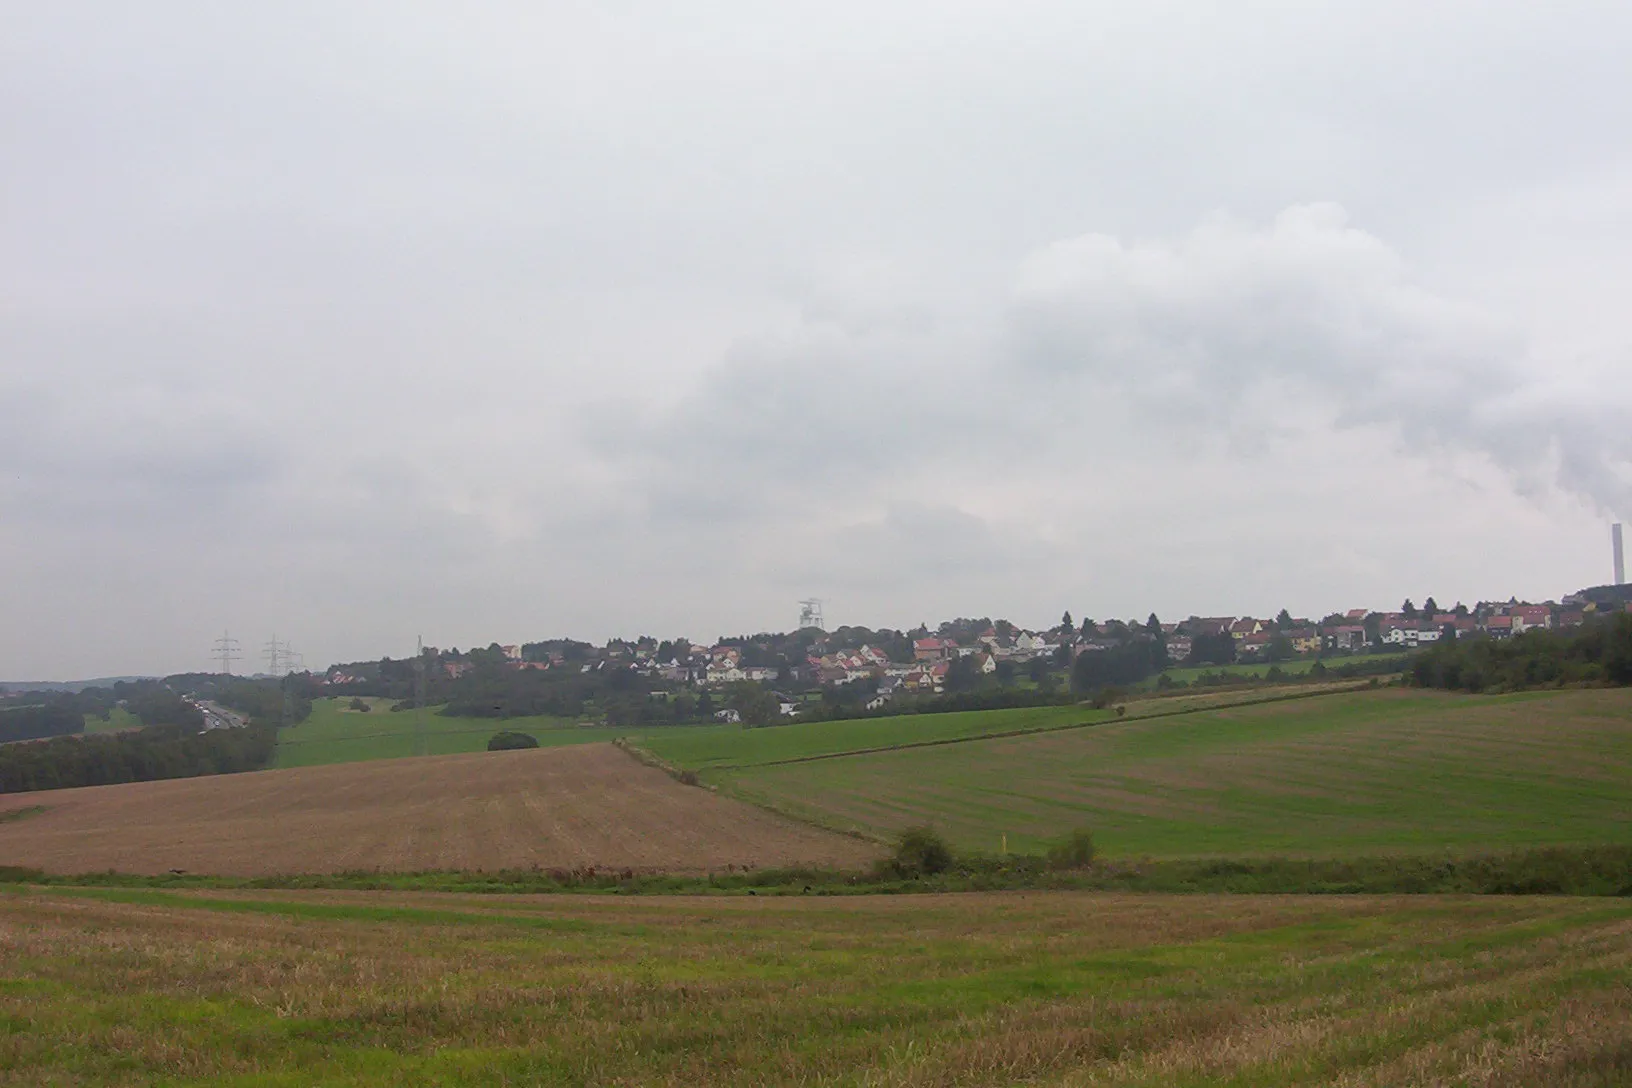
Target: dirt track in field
569 807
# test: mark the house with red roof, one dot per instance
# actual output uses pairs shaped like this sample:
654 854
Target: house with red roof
933 649
1246 627
1254 643
1527 617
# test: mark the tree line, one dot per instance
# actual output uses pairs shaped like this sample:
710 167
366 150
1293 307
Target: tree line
52 719
163 751
171 744
1598 652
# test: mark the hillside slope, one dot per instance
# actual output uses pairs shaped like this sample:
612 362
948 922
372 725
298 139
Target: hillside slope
1375 771
585 805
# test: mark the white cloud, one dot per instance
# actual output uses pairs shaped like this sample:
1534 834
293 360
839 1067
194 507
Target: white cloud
1236 325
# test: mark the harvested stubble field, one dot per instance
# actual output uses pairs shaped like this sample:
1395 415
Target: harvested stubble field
141 987
1371 771
587 805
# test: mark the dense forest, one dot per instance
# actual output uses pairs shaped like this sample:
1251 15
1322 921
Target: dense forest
160 751
55 718
1598 652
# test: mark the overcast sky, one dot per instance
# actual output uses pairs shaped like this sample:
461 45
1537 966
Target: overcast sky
353 322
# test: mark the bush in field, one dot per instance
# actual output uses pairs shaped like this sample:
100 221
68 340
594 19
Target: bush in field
507 740
1075 851
920 851
1107 697
358 705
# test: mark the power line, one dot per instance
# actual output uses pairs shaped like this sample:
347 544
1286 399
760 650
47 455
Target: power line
273 653
226 652
281 657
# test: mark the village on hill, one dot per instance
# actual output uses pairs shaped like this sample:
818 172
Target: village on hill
886 664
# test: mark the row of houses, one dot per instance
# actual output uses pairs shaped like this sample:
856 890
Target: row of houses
931 656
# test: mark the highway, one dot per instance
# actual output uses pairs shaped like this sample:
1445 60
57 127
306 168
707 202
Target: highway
217 717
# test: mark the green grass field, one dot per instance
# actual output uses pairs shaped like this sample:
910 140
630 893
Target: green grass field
118 718
1374 771
709 746
334 734
269 989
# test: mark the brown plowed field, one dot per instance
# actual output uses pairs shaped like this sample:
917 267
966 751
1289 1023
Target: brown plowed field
552 807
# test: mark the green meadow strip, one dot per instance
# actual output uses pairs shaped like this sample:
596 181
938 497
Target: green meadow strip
1024 731
341 912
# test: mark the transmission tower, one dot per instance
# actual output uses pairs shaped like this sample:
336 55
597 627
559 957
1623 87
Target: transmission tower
810 614
277 656
226 652
281 657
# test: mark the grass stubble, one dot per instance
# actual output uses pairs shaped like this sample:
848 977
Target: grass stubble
587 805
120 986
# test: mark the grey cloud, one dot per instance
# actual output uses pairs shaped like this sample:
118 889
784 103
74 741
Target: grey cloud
158 458
1230 316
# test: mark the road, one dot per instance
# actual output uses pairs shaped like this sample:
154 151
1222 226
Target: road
218 717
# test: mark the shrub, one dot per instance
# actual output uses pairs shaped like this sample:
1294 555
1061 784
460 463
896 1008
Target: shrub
358 705
1106 696
506 740
920 851
1075 851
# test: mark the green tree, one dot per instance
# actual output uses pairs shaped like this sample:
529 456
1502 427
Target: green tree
1214 649
962 674
920 851
507 740
753 704
1408 609
1283 620
1075 851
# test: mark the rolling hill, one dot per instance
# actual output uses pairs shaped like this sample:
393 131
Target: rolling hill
1371 771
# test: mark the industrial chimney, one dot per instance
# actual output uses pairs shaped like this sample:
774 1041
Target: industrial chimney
1620 558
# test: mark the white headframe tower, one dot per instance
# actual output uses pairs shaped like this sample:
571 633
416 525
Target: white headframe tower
810 614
